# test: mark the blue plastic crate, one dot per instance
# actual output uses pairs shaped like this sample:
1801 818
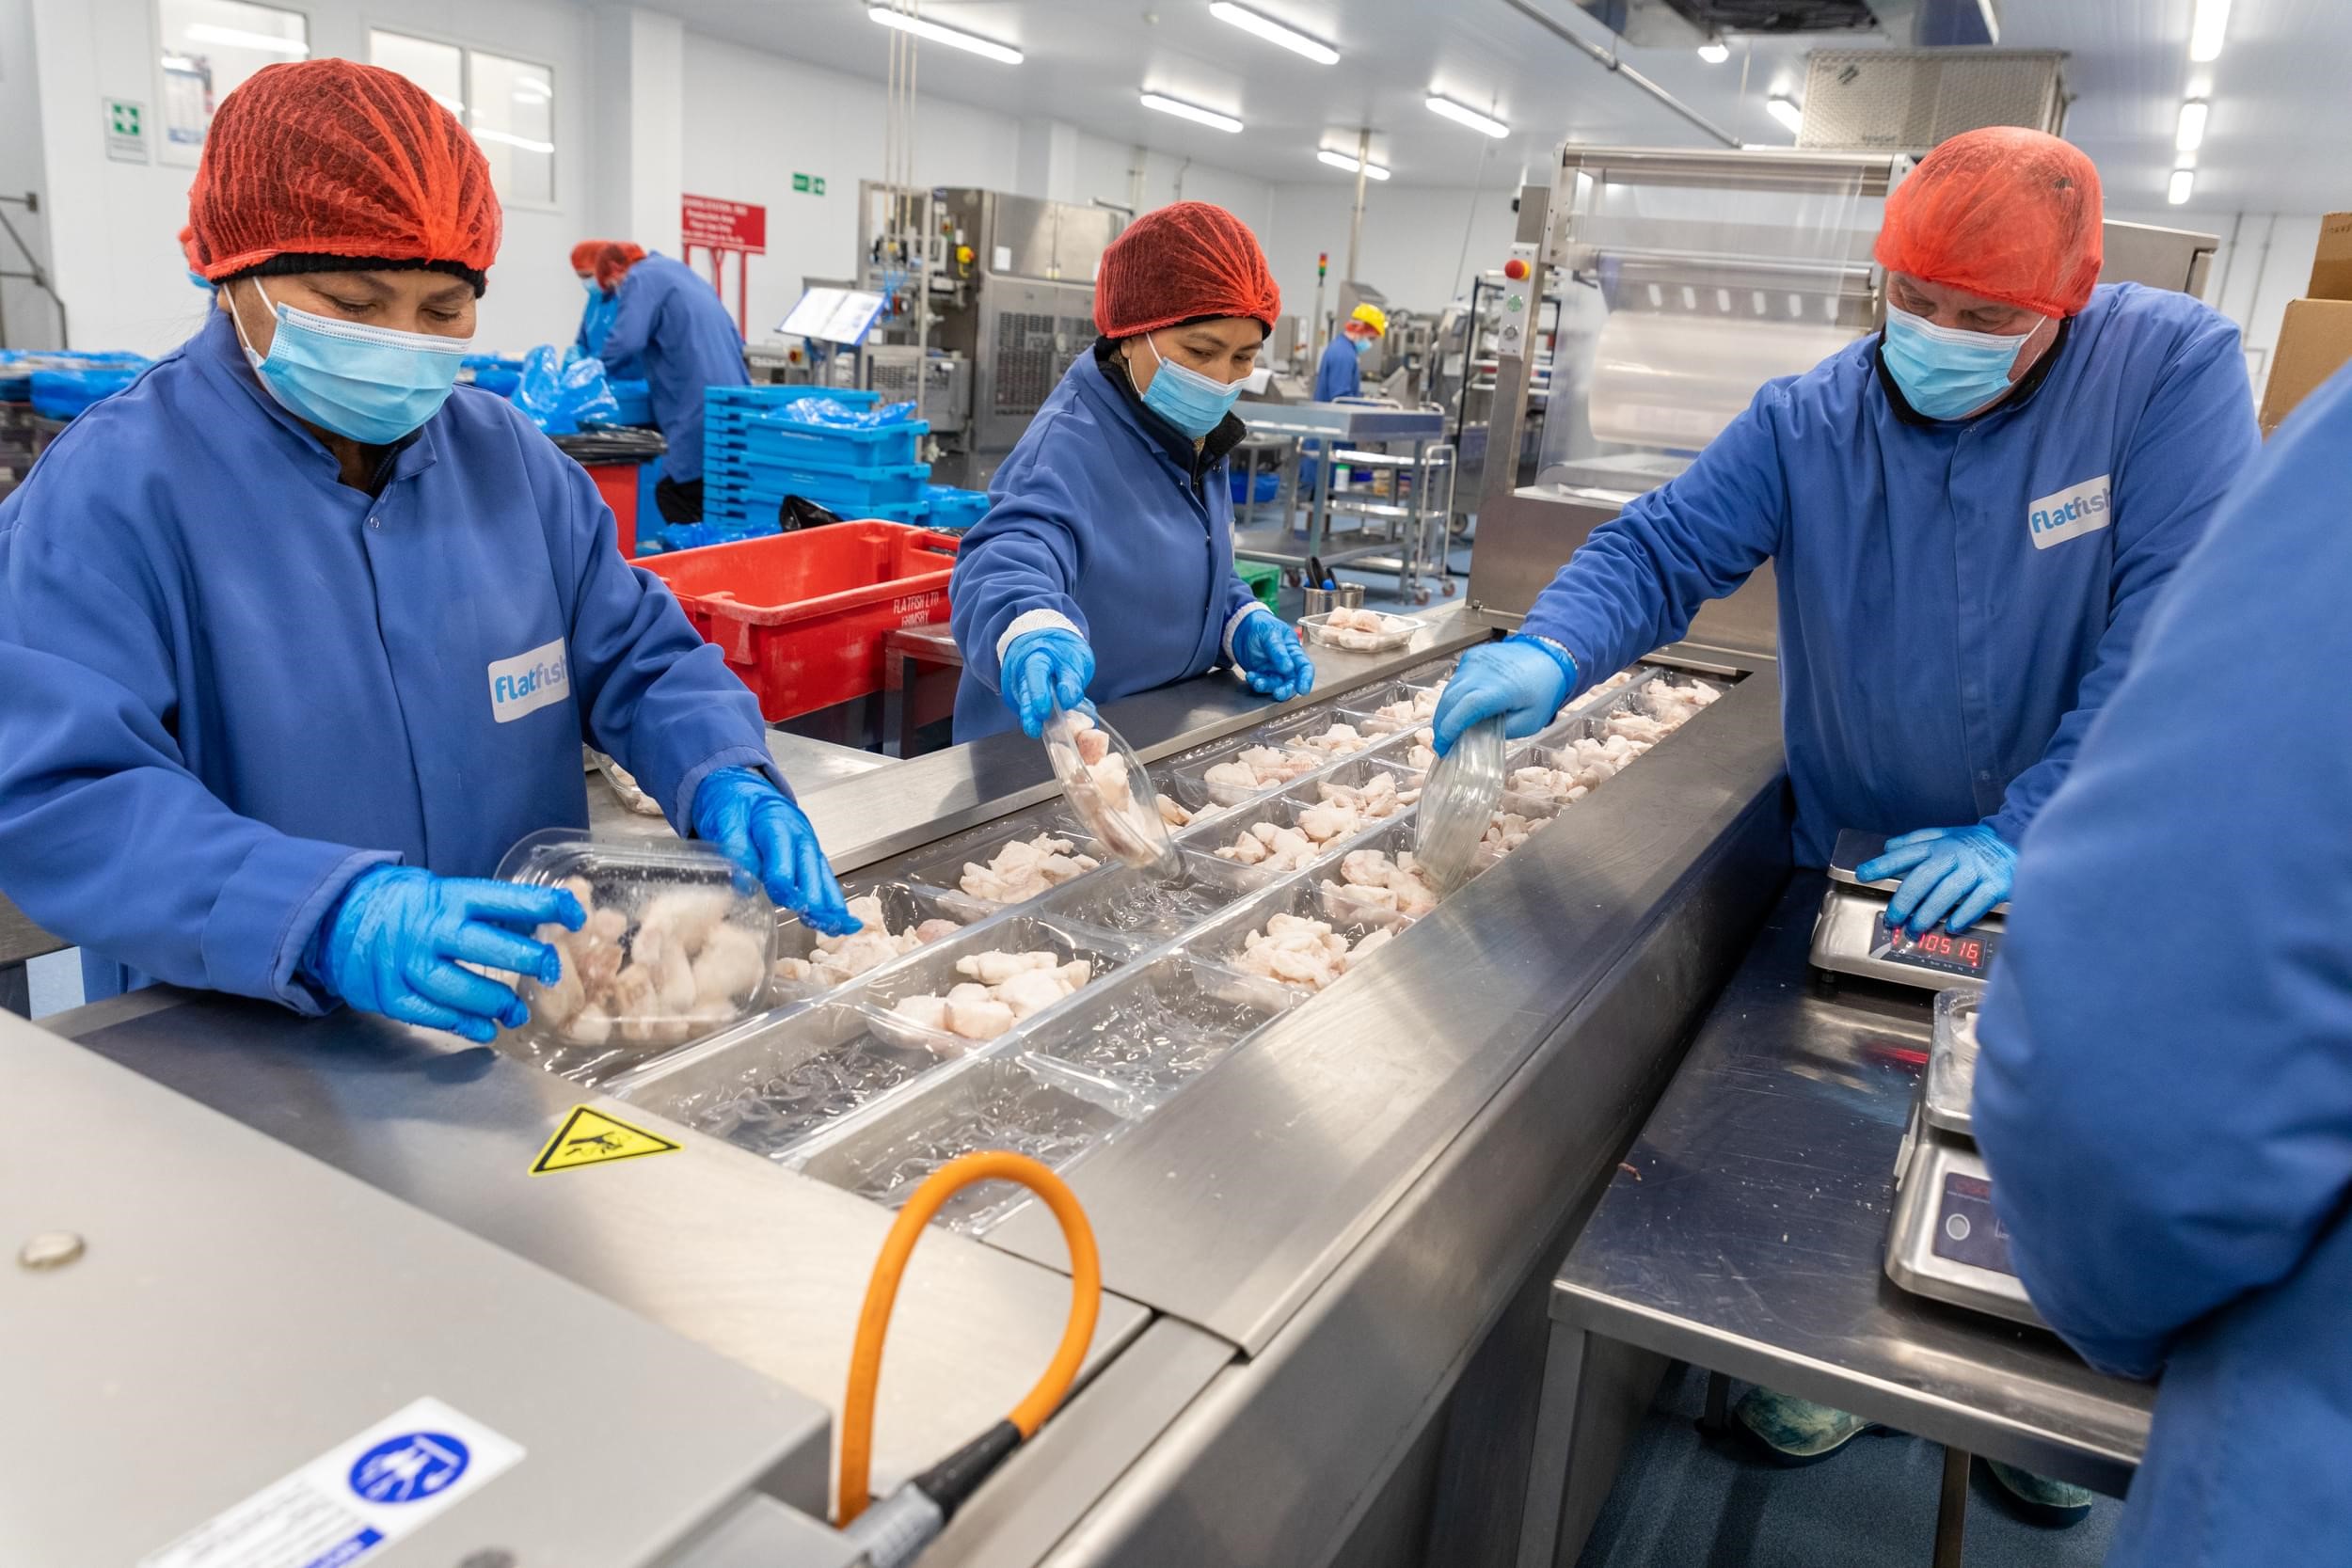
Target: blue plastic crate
739 511
768 398
775 439
953 510
833 487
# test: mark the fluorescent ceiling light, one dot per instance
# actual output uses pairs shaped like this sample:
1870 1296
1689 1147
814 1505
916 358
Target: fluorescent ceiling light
954 39
529 143
2184 180
1471 118
1192 112
2212 19
1340 160
241 37
2192 133
1274 32
1784 109
1714 53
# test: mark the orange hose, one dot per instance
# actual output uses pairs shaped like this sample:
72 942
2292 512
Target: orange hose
881 1294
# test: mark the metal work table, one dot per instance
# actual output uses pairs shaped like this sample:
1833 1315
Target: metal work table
1403 530
1311 1253
909 654
809 765
1744 1233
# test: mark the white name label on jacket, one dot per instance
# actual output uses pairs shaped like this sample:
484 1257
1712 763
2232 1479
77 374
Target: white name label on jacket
528 682
2070 513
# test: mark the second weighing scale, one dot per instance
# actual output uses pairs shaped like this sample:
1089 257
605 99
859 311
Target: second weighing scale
1944 1240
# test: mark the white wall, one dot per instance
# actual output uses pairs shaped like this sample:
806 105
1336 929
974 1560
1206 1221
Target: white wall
30 320
2265 261
1412 248
115 225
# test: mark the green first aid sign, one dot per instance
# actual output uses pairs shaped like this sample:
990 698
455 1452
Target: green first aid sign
126 130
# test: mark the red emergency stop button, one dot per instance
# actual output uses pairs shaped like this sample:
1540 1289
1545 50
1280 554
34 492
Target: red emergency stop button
1514 269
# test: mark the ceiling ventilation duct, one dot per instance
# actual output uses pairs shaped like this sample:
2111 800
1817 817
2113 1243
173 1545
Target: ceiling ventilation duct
1687 23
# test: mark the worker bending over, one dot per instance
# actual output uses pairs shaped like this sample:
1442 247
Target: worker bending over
1105 565
2163 1078
674 325
1969 515
595 318
297 640
1340 373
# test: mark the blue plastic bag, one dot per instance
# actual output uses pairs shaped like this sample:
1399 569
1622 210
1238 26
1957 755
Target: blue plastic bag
559 397
842 416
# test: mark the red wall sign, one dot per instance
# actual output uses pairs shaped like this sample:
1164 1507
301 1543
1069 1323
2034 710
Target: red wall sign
724 225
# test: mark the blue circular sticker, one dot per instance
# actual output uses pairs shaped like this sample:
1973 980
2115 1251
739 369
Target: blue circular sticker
409 1468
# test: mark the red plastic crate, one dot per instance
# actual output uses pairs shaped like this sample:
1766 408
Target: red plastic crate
801 616
618 484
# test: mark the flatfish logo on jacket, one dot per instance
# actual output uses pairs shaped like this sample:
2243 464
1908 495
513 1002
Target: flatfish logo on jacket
2070 513
528 682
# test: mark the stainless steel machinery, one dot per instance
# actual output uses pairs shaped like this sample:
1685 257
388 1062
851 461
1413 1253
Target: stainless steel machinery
1005 282
1321 1216
1711 273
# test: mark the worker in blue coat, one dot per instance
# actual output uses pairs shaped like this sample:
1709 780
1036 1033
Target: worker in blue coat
299 639
675 327
2163 1078
1105 565
1340 373
596 316
1969 515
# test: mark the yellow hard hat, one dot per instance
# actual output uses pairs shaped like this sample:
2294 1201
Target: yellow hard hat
1374 317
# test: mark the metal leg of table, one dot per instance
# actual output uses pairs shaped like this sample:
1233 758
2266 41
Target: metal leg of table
1951 1509
16 990
1594 1392
898 702
1717 1422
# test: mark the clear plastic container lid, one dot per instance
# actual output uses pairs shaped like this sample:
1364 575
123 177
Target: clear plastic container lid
1360 630
1111 791
677 942
1951 1079
1457 802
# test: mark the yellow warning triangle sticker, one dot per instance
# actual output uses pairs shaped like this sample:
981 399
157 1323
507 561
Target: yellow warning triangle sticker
592 1137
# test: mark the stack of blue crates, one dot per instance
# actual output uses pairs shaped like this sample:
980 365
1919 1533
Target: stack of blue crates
755 456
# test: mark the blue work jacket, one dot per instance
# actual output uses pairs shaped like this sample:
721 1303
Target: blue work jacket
1957 597
1339 374
1098 525
596 325
233 683
2164 1084
681 338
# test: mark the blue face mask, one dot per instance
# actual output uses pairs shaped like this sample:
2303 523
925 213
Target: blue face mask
1193 403
1363 346
199 280
1947 371
589 284
368 383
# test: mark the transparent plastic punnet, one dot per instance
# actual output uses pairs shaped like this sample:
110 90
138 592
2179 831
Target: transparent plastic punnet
1457 804
678 945
1109 789
1952 1059
1366 631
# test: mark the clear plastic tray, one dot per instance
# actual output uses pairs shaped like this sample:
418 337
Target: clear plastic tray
772 1088
934 971
1346 903
678 944
943 866
1225 943
1147 907
1145 1034
1187 776
1951 1079
1458 802
1394 631
1363 709
903 909
989 1102
1110 790
1310 735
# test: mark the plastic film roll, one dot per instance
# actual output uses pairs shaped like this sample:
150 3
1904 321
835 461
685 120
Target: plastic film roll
1676 381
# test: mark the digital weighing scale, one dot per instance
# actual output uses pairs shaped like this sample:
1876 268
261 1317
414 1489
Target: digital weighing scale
1851 935
1944 1240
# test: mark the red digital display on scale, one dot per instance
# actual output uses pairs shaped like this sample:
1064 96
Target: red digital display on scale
1970 953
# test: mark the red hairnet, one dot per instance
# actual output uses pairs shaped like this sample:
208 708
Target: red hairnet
1176 262
333 158
2006 212
614 259
584 254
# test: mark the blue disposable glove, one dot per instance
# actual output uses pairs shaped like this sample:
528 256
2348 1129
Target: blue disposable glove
1963 870
393 943
1044 670
752 823
1268 654
1525 679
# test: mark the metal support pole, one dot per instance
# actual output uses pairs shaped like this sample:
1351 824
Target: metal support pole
1951 1509
1355 224
1515 348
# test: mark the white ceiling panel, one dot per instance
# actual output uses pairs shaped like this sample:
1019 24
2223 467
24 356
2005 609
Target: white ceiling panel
2281 122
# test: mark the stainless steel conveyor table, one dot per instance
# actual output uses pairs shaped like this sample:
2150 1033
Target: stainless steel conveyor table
1744 1232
